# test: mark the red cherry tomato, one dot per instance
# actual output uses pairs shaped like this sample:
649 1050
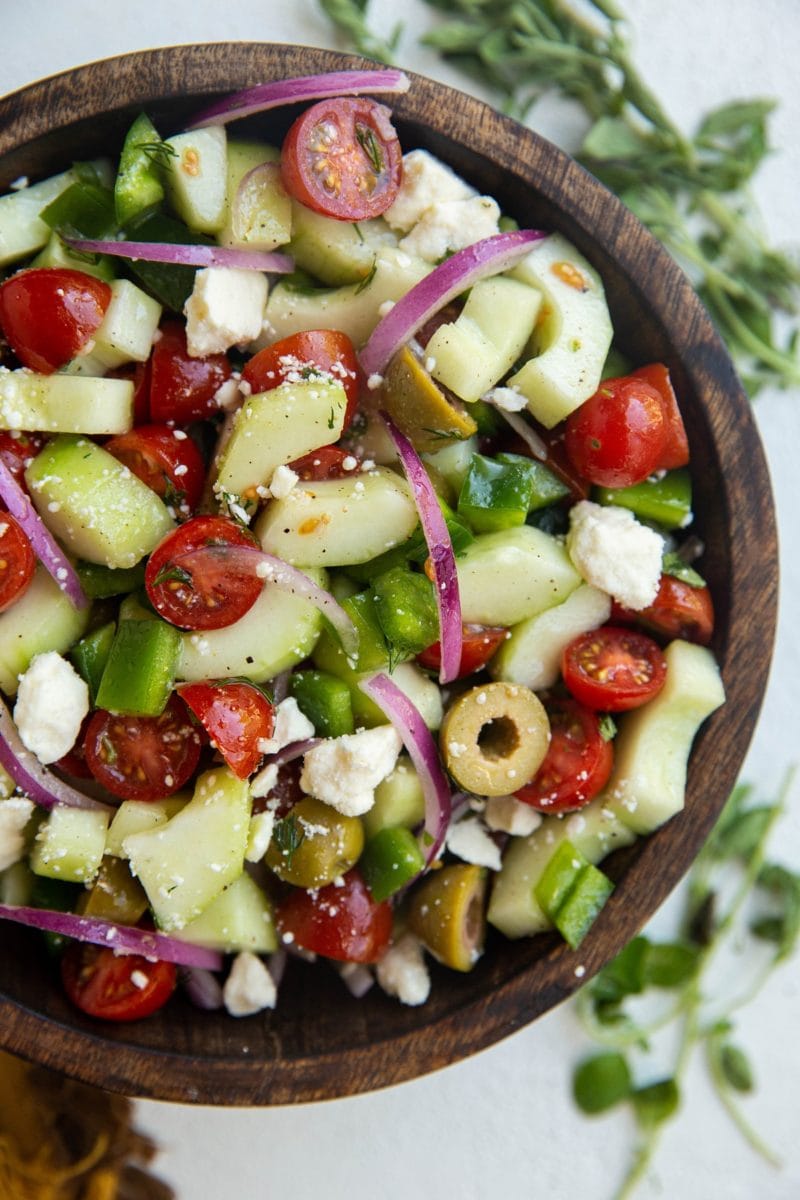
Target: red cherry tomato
678 611
479 643
48 314
326 463
315 351
676 446
342 158
202 591
17 561
235 716
115 987
577 764
143 758
344 922
612 669
139 375
183 388
167 460
17 451
617 437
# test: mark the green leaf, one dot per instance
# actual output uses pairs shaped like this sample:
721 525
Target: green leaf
601 1082
624 975
612 137
741 838
655 1103
736 1068
670 964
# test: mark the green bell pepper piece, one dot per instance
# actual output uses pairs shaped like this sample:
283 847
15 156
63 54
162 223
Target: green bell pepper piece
325 700
571 892
546 487
494 495
90 655
405 606
100 582
140 671
138 185
390 860
666 501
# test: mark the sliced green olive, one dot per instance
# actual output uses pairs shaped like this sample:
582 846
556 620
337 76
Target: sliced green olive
115 895
448 913
494 738
419 406
314 844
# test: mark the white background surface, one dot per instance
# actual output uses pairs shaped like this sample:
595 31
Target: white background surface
502 1124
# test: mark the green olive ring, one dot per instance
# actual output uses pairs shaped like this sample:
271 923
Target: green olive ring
494 738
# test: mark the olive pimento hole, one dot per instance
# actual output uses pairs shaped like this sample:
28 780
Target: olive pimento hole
498 739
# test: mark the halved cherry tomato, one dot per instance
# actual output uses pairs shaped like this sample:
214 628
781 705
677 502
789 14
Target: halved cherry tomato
326 463
167 460
139 375
203 591
16 451
183 388
577 764
612 669
479 643
17 561
676 446
143 758
235 716
342 922
303 355
678 611
341 157
617 437
48 314
115 987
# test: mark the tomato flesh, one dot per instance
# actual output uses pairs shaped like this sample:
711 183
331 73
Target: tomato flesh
167 460
17 561
613 669
310 353
676 445
183 388
342 158
48 314
617 437
578 761
678 611
115 987
479 643
343 923
17 451
236 716
143 758
192 584
329 462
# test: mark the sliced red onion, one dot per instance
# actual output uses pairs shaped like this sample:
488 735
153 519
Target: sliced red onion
202 987
489 256
45 546
188 255
276 965
521 427
303 87
419 742
289 753
440 549
356 977
39 784
280 686
289 579
123 939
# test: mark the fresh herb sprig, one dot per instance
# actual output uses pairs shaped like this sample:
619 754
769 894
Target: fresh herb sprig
764 903
692 191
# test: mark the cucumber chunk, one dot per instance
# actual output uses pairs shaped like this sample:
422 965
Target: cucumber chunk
57 254
22 231
42 619
531 655
70 844
336 252
240 919
508 576
136 816
94 504
196 177
128 328
399 800
64 403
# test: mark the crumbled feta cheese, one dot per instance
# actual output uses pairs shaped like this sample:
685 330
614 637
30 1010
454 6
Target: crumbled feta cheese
425 181
249 987
345 771
615 553
508 399
51 703
226 397
470 841
14 816
402 971
290 726
507 814
452 225
259 835
263 783
226 308
282 482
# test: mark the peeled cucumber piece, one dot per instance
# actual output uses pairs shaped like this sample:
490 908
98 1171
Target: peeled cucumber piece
276 427
336 252
95 505
240 919
57 254
42 619
69 844
531 655
279 631
196 177
258 210
128 328
64 403
339 522
399 801
135 816
472 353
513 574
594 831
651 750
22 231
185 864
573 336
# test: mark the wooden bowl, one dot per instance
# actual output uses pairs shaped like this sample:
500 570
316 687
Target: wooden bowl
321 1043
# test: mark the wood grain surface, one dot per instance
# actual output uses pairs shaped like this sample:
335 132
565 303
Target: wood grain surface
320 1043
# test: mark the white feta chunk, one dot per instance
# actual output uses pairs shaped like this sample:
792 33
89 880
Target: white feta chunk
507 814
51 703
402 971
345 771
290 726
615 553
452 225
14 816
508 399
249 987
226 308
469 840
282 482
263 783
259 835
426 181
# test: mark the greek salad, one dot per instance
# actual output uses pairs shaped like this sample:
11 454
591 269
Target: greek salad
348 597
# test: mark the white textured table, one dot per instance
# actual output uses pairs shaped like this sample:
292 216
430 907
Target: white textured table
502 1124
